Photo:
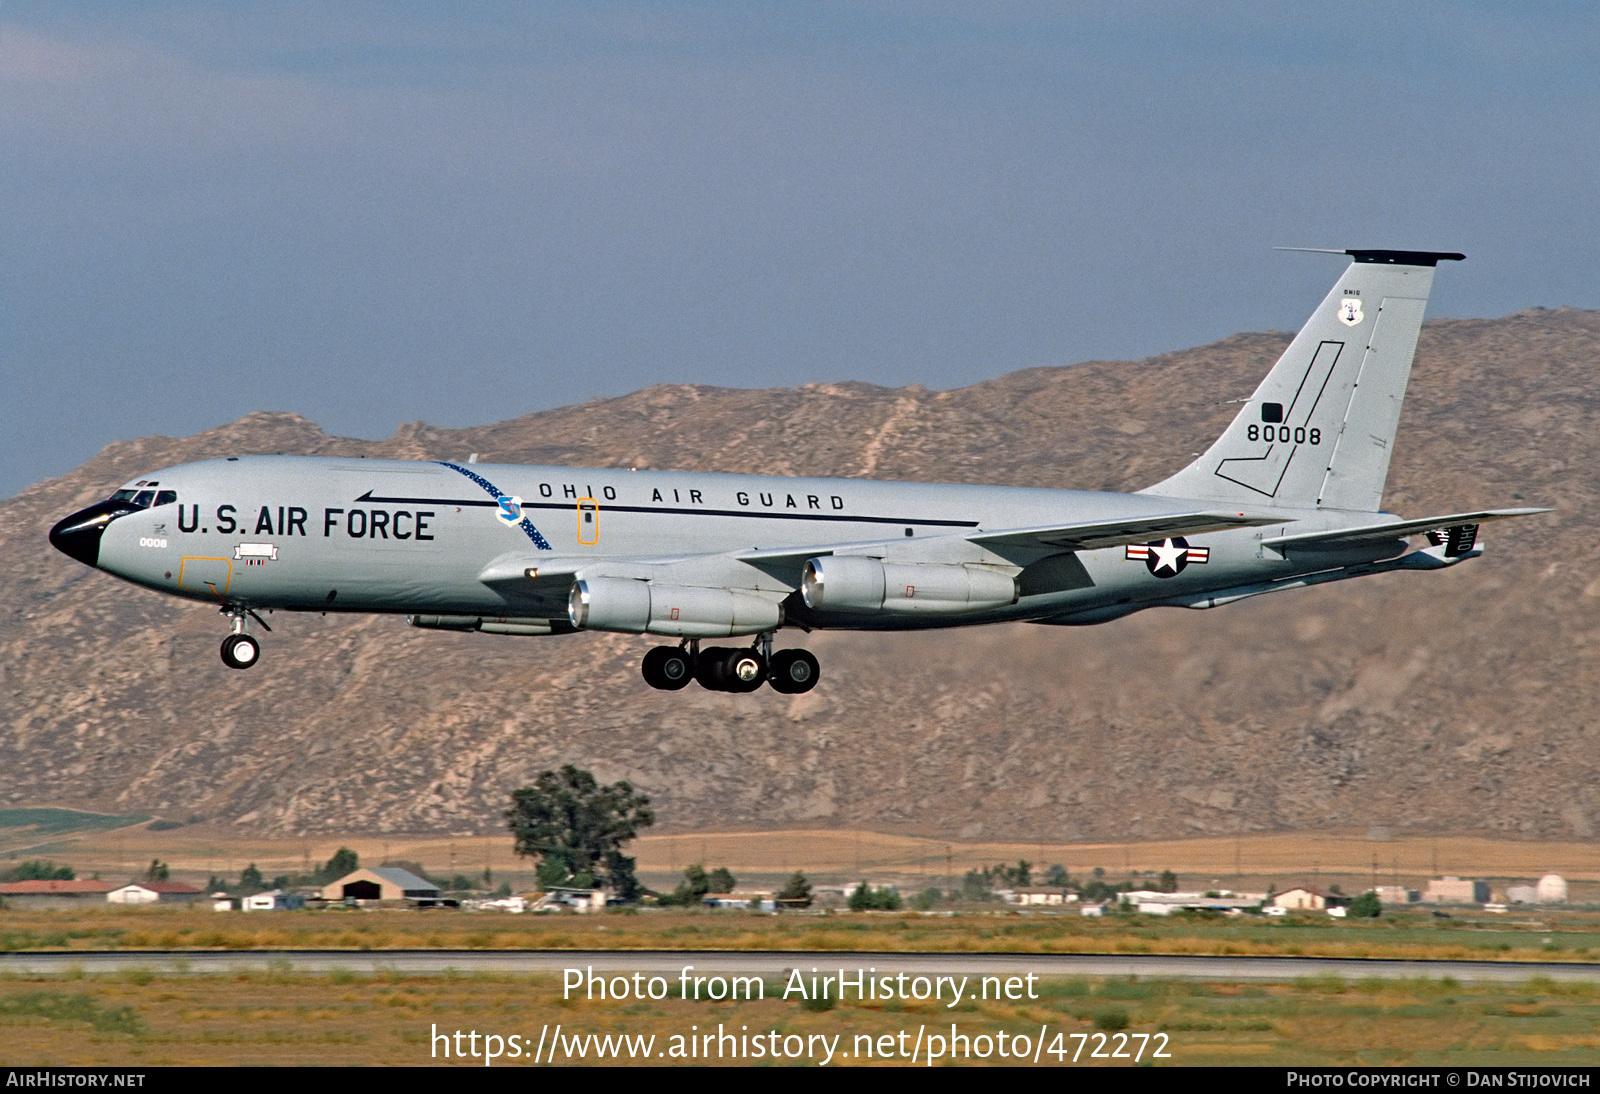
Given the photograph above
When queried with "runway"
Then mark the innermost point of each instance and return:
(778, 964)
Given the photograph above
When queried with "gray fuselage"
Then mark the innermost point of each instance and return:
(356, 535)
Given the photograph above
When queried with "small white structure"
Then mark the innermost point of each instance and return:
(1151, 902)
(757, 902)
(1455, 890)
(1047, 898)
(275, 901)
(153, 892)
(1552, 889)
(1522, 894)
(516, 905)
(133, 894)
(579, 900)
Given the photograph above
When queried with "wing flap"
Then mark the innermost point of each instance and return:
(1367, 533)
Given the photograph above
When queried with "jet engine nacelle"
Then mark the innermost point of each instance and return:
(639, 607)
(850, 583)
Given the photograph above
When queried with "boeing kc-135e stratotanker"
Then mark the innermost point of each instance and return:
(1287, 497)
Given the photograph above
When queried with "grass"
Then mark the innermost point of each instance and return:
(1565, 936)
(281, 1017)
(50, 821)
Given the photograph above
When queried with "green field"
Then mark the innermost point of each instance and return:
(157, 1014)
(1409, 934)
(285, 1017)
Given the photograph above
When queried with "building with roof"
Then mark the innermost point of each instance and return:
(389, 883)
(1455, 890)
(1396, 894)
(1303, 898)
(1042, 897)
(1156, 903)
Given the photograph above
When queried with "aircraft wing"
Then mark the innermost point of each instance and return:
(541, 583)
(1367, 533)
(1081, 536)
(1093, 535)
(531, 576)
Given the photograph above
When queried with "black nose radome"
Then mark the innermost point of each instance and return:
(79, 535)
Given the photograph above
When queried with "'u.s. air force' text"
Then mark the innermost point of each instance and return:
(290, 520)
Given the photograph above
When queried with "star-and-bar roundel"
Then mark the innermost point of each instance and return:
(1167, 557)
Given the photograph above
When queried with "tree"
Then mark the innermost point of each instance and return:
(696, 883)
(722, 880)
(577, 827)
(796, 893)
(250, 880)
(1168, 882)
(1366, 906)
(44, 870)
(867, 899)
(158, 871)
(344, 861)
(1099, 892)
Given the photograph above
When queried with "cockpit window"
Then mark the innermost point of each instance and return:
(144, 499)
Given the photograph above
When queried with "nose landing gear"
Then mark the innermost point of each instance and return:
(240, 650)
(719, 668)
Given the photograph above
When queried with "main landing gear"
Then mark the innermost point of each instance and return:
(719, 668)
(240, 650)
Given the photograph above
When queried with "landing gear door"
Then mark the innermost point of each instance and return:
(588, 522)
(206, 576)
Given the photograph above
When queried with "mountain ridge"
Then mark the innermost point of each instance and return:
(1454, 701)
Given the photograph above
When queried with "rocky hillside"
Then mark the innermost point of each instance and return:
(1460, 700)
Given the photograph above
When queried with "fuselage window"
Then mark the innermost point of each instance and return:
(166, 497)
(144, 499)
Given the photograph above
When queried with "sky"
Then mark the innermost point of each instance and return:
(370, 214)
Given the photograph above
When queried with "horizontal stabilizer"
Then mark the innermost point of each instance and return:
(1094, 535)
(1369, 533)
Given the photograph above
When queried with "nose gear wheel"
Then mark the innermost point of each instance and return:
(240, 651)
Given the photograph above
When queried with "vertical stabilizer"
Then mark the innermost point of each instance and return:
(1319, 430)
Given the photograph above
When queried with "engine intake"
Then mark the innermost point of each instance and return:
(851, 583)
(630, 606)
